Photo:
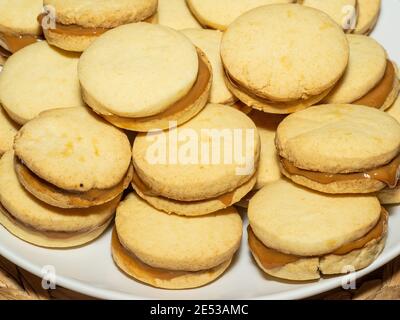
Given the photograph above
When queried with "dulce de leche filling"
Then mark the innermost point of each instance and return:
(33, 182)
(376, 98)
(16, 42)
(271, 258)
(387, 174)
(76, 30)
(226, 198)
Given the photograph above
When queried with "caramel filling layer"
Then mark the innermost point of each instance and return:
(43, 187)
(76, 30)
(198, 89)
(226, 198)
(376, 98)
(288, 106)
(387, 174)
(4, 53)
(17, 42)
(50, 233)
(271, 258)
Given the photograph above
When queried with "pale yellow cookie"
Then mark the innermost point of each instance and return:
(256, 53)
(38, 78)
(74, 24)
(73, 152)
(209, 41)
(203, 160)
(175, 14)
(179, 250)
(368, 14)
(38, 223)
(220, 14)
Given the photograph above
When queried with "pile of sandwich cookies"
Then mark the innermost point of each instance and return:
(169, 115)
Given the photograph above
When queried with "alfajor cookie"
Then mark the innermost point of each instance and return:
(209, 41)
(370, 78)
(340, 148)
(283, 58)
(18, 25)
(74, 24)
(38, 78)
(41, 224)
(205, 165)
(368, 14)
(298, 234)
(220, 14)
(8, 130)
(70, 158)
(130, 82)
(170, 251)
(343, 12)
(176, 14)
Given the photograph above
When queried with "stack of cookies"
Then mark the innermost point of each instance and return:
(133, 108)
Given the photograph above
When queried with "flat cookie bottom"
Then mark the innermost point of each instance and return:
(309, 269)
(338, 187)
(54, 196)
(68, 42)
(162, 278)
(389, 196)
(43, 240)
(163, 120)
(198, 208)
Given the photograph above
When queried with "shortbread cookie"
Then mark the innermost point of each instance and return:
(220, 14)
(71, 158)
(209, 41)
(370, 78)
(18, 25)
(340, 148)
(267, 74)
(173, 252)
(74, 24)
(313, 234)
(216, 165)
(8, 130)
(176, 14)
(38, 223)
(368, 14)
(153, 86)
(38, 78)
(343, 12)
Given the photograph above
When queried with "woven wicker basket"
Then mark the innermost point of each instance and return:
(18, 284)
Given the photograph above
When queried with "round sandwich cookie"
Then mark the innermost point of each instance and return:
(170, 251)
(18, 25)
(74, 24)
(298, 234)
(176, 15)
(215, 156)
(38, 78)
(368, 14)
(209, 41)
(340, 149)
(130, 82)
(38, 223)
(220, 14)
(70, 158)
(8, 130)
(370, 78)
(343, 12)
(266, 73)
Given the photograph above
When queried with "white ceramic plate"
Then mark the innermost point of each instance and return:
(91, 271)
